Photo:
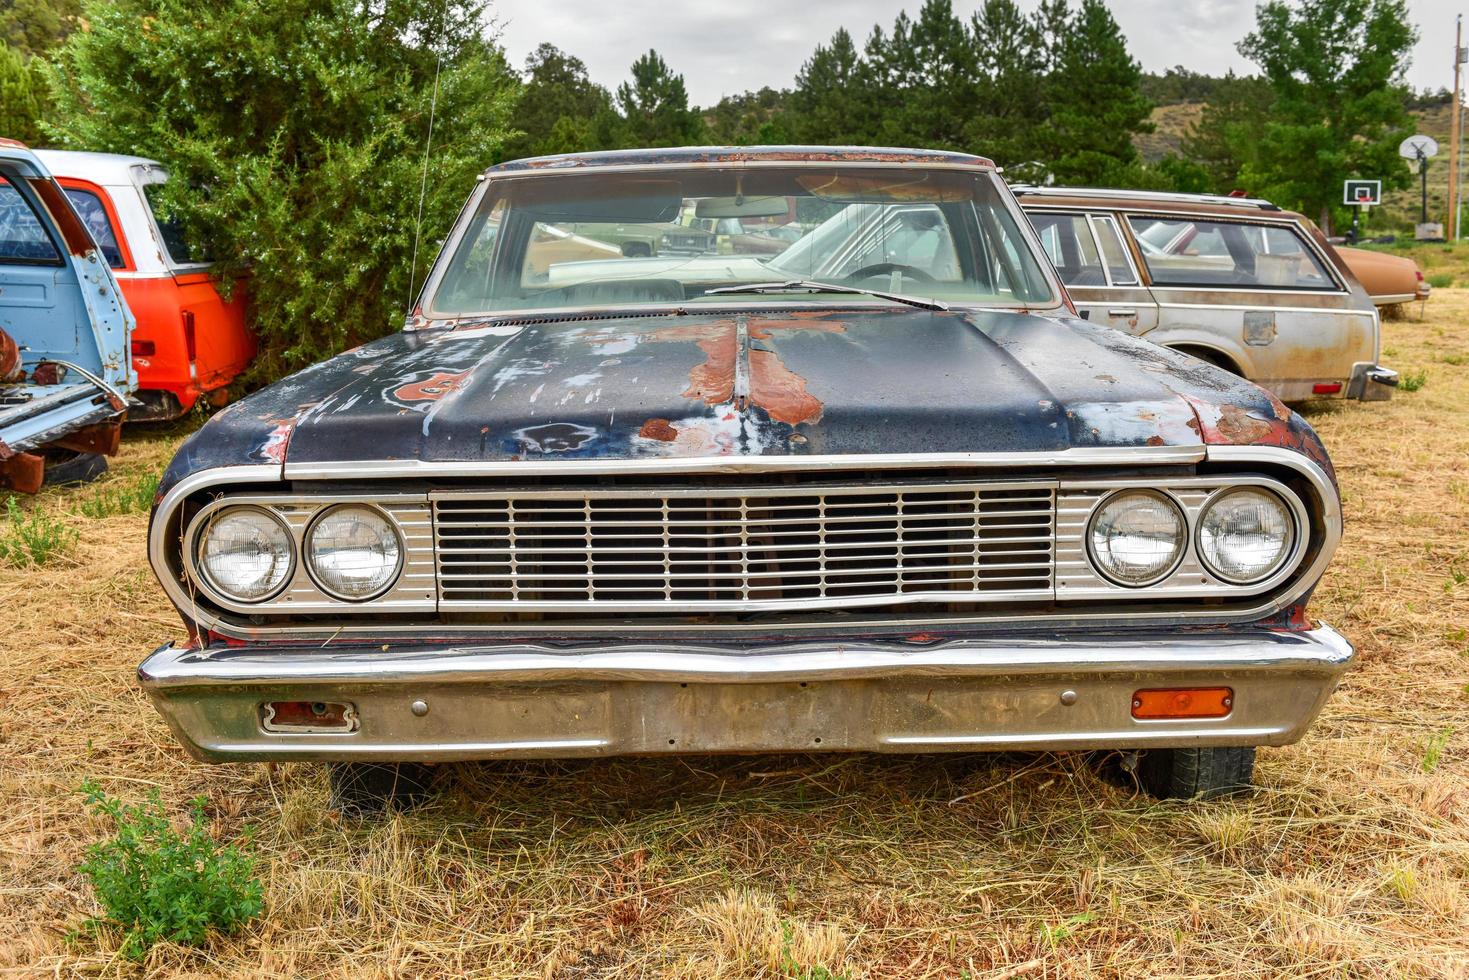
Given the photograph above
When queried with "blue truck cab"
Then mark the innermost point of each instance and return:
(65, 363)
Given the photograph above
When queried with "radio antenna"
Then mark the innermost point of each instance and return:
(423, 184)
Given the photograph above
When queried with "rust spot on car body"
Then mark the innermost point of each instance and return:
(431, 388)
(659, 429)
(773, 386)
(10, 368)
(1240, 427)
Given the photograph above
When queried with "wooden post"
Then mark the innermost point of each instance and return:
(1452, 225)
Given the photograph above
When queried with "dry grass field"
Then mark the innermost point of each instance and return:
(1351, 860)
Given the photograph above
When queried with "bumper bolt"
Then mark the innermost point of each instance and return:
(419, 708)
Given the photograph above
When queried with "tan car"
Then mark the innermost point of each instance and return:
(1235, 281)
(1389, 279)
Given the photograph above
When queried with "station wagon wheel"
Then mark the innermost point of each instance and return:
(888, 268)
(1203, 773)
(364, 789)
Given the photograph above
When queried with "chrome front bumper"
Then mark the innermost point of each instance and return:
(1051, 692)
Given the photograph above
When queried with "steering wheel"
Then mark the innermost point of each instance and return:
(885, 269)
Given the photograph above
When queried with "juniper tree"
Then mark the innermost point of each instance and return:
(295, 133)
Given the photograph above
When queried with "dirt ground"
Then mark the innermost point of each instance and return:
(1351, 860)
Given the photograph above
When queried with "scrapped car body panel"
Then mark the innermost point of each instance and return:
(1388, 279)
(68, 328)
(635, 511)
(190, 341)
(1239, 282)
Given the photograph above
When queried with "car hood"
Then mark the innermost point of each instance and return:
(729, 384)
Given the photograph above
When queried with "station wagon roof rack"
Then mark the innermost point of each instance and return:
(1162, 197)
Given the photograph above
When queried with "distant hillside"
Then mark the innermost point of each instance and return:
(1171, 124)
(1400, 208)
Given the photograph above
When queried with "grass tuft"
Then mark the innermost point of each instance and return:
(1413, 380)
(33, 539)
(157, 884)
(130, 495)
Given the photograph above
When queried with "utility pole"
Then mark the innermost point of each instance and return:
(1454, 133)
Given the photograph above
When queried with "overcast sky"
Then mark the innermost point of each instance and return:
(726, 46)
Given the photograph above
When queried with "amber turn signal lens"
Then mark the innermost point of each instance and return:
(1183, 702)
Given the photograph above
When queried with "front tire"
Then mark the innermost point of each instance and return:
(1203, 773)
(366, 789)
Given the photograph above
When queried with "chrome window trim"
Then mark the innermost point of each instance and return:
(1339, 287)
(1094, 219)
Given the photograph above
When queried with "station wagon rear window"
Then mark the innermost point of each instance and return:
(672, 235)
(23, 237)
(89, 208)
(1227, 255)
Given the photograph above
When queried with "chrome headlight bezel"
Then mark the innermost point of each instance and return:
(1181, 546)
(1287, 553)
(317, 579)
(209, 582)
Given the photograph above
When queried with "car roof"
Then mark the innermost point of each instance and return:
(1115, 198)
(101, 168)
(741, 155)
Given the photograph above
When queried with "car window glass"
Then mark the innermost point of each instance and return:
(694, 234)
(89, 208)
(23, 237)
(1069, 243)
(1114, 254)
(1229, 255)
(180, 250)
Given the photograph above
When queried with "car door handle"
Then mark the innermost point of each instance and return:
(1122, 312)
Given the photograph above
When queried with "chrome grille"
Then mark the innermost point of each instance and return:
(704, 548)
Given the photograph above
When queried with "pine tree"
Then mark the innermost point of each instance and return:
(1096, 100)
(1010, 107)
(1338, 102)
(1229, 133)
(308, 140)
(1052, 23)
(825, 106)
(560, 109)
(24, 96)
(655, 106)
(34, 27)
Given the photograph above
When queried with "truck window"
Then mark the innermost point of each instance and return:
(23, 237)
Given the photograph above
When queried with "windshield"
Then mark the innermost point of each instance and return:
(675, 236)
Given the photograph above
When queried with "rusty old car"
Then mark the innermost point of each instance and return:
(65, 377)
(1235, 281)
(881, 491)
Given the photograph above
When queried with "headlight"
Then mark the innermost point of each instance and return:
(353, 552)
(1245, 535)
(245, 554)
(1136, 537)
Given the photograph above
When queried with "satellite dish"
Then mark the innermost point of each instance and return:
(1418, 147)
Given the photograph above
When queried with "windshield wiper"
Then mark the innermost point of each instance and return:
(812, 286)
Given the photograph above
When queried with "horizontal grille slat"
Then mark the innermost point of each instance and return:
(810, 546)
